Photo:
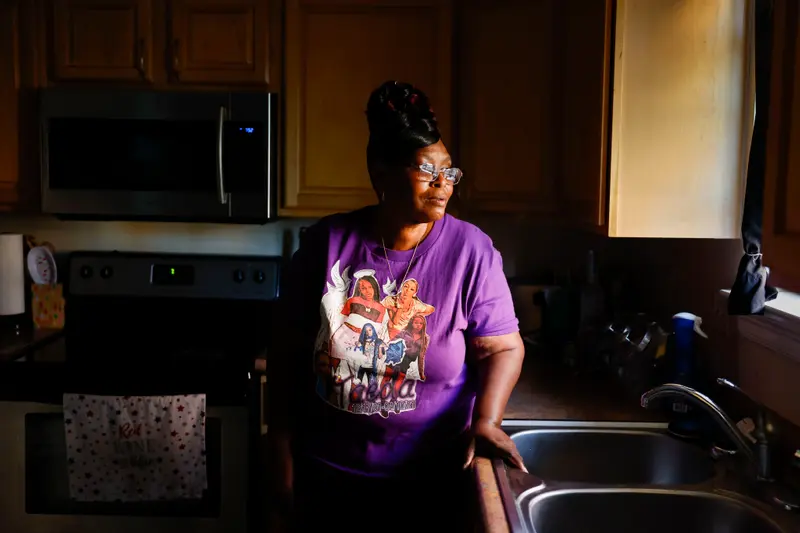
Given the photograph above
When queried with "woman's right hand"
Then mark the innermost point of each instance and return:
(281, 478)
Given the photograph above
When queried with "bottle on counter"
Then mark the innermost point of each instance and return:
(686, 327)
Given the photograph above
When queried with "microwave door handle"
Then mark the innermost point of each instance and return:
(269, 159)
(223, 197)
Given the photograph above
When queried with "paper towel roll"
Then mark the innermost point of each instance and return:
(12, 275)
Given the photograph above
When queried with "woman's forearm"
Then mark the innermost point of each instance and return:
(499, 363)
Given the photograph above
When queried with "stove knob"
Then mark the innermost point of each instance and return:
(86, 272)
(259, 276)
(238, 275)
(106, 272)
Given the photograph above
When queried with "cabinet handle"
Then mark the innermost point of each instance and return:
(141, 57)
(176, 60)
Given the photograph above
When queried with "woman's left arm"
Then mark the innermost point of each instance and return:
(495, 351)
(498, 360)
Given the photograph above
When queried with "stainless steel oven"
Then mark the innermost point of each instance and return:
(127, 154)
(145, 325)
(34, 484)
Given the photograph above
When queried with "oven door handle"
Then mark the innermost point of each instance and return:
(263, 404)
(222, 195)
(261, 373)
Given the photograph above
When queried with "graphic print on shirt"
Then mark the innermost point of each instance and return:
(370, 351)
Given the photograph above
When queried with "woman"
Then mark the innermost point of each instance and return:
(410, 443)
(370, 346)
(415, 341)
(362, 312)
(403, 306)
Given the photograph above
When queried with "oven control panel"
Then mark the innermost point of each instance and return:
(173, 275)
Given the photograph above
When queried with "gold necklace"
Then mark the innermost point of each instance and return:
(408, 268)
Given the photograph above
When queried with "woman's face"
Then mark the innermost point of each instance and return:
(366, 290)
(412, 193)
(409, 289)
(369, 331)
(417, 324)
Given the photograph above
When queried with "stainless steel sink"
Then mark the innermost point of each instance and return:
(624, 477)
(641, 511)
(612, 457)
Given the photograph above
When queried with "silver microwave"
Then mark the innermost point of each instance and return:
(146, 155)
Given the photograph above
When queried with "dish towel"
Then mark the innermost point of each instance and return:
(135, 448)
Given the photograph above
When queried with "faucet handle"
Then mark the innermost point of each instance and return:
(761, 429)
(731, 385)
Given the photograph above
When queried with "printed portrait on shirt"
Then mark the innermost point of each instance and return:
(404, 306)
(370, 352)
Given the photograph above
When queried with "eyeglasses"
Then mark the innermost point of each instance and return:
(428, 173)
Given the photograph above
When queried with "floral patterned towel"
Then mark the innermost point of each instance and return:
(135, 448)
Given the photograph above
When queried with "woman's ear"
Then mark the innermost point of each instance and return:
(377, 175)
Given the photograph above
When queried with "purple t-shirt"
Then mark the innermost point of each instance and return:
(390, 379)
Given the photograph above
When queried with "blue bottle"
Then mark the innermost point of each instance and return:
(685, 328)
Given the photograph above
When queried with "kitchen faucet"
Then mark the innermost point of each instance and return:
(759, 459)
(763, 470)
(743, 446)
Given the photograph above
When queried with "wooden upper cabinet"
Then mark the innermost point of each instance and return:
(220, 41)
(583, 72)
(337, 52)
(160, 42)
(506, 117)
(782, 189)
(102, 40)
(9, 82)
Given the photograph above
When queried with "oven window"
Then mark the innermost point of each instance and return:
(143, 155)
(47, 483)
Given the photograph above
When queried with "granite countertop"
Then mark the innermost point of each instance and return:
(548, 391)
(14, 347)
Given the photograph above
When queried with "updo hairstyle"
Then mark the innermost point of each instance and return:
(401, 121)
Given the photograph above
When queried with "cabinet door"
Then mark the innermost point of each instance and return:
(782, 190)
(102, 40)
(220, 41)
(9, 138)
(506, 117)
(337, 52)
(585, 39)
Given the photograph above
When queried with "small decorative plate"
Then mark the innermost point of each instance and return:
(42, 266)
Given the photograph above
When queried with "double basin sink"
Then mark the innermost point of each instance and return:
(622, 478)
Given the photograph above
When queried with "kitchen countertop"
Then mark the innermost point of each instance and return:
(13, 347)
(547, 390)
